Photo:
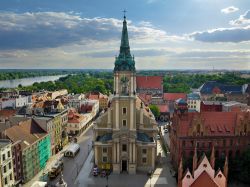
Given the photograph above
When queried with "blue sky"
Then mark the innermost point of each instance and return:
(164, 34)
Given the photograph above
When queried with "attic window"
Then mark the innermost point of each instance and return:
(219, 175)
(204, 165)
(188, 176)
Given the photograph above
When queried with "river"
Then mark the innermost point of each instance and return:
(28, 81)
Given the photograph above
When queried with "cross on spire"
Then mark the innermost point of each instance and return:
(124, 12)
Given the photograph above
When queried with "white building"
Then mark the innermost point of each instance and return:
(15, 102)
(77, 123)
(75, 101)
(6, 166)
(194, 102)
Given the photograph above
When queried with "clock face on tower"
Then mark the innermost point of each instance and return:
(124, 85)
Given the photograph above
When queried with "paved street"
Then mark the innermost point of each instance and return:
(72, 166)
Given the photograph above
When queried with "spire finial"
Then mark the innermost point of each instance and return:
(124, 14)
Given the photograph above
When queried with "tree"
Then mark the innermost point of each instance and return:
(155, 110)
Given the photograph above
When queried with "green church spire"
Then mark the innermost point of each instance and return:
(124, 62)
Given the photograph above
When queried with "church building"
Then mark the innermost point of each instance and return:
(124, 135)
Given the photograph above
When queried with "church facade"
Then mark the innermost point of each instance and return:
(124, 135)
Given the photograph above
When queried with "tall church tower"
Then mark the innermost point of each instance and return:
(125, 133)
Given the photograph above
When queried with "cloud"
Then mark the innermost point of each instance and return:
(151, 52)
(243, 19)
(54, 29)
(208, 54)
(229, 10)
(235, 35)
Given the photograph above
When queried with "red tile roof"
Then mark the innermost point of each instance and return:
(215, 123)
(174, 96)
(148, 82)
(163, 108)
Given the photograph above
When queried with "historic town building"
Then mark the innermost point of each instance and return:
(203, 173)
(227, 132)
(125, 133)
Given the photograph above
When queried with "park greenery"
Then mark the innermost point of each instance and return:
(84, 81)
(155, 110)
(19, 74)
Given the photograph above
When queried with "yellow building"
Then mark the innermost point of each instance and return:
(125, 133)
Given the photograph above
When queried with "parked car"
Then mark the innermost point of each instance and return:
(55, 170)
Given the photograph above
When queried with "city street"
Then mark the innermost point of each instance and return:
(72, 166)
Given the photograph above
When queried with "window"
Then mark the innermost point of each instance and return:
(124, 111)
(104, 150)
(124, 122)
(9, 165)
(3, 157)
(4, 169)
(5, 180)
(144, 151)
(104, 159)
(11, 176)
(8, 153)
(124, 147)
(144, 160)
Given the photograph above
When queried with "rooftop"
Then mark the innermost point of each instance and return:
(27, 131)
(174, 96)
(149, 82)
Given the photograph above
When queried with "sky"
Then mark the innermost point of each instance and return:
(163, 34)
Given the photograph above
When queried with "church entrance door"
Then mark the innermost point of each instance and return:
(124, 165)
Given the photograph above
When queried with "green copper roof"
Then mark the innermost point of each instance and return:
(124, 62)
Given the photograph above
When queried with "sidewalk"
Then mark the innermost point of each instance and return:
(83, 178)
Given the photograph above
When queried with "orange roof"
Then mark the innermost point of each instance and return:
(174, 96)
(74, 117)
(216, 123)
(148, 82)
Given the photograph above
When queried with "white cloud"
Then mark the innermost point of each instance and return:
(234, 34)
(229, 10)
(243, 19)
(54, 29)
